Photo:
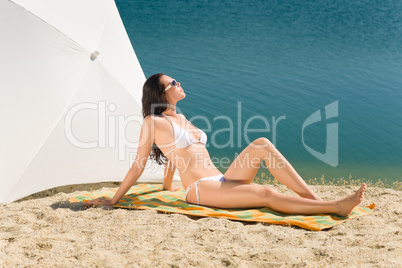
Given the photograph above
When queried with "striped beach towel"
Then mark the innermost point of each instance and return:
(151, 196)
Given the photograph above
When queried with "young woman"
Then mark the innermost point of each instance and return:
(169, 137)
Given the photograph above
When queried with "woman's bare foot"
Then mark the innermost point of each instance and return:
(346, 205)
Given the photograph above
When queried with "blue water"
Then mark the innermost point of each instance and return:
(283, 59)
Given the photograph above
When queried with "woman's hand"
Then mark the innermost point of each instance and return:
(174, 188)
(99, 201)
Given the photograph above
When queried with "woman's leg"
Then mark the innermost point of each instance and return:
(246, 164)
(240, 195)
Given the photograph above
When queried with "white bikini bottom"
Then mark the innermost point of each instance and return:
(212, 178)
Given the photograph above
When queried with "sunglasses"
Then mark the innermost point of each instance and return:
(172, 83)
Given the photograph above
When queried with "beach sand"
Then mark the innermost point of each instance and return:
(47, 231)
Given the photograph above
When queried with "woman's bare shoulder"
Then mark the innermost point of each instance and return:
(153, 117)
(182, 115)
(161, 128)
(156, 120)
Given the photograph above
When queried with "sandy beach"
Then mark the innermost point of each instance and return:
(44, 230)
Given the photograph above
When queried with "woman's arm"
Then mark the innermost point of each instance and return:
(168, 177)
(144, 148)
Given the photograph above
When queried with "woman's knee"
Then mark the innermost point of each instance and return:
(268, 193)
(262, 143)
(265, 192)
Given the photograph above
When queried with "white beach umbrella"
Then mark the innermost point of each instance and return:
(70, 103)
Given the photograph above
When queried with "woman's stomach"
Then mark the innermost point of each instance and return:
(193, 163)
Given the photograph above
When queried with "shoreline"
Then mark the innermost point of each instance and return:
(47, 231)
(396, 185)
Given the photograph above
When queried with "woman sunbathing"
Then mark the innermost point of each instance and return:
(171, 139)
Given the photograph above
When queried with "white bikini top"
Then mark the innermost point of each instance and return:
(183, 138)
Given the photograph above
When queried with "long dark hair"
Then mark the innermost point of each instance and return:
(154, 101)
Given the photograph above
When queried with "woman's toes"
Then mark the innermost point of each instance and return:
(347, 204)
